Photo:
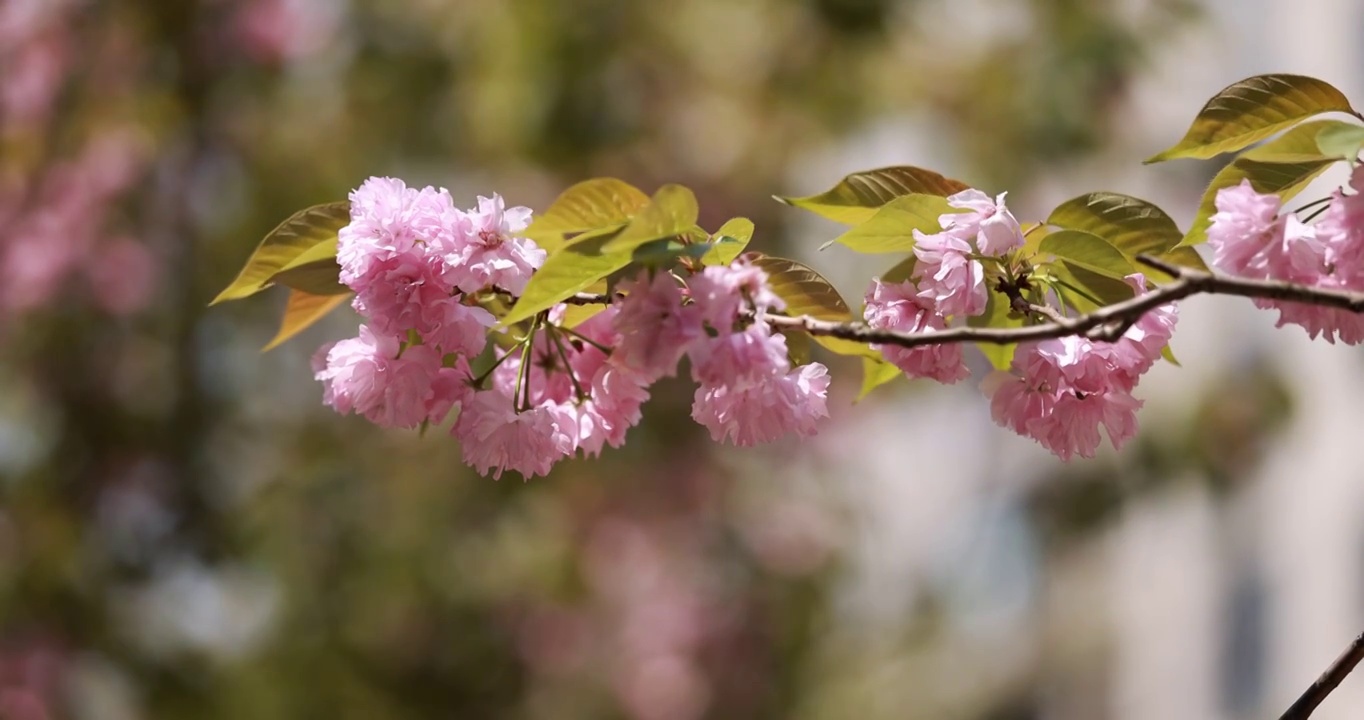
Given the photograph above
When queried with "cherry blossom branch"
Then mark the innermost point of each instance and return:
(1107, 324)
(1329, 680)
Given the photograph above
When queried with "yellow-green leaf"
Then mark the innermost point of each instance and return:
(573, 269)
(671, 212)
(729, 241)
(1341, 141)
(315, 271)
(303, 231)
(806, 292)
(1282, 166)
(302, 310)
(892, 228)
(856, 197)
(876, 373)
(1088, 251)
(1252, 110)
(588, 205)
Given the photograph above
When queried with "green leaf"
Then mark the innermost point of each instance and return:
(997, 314)
(1087, 291)
(1282, 166)
(876, 373)
(1088, 251)
(856, 197)
(806, 292)
(588, 205)
(892, 228)
(301, 232)
(729, 241)
(1169, 356)
(302, 310)
(1341, 141)
(573, 269)
(1252, 110)
(1132, 225)
(670, 213)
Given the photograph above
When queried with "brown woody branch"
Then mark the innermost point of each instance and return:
(1328, 681)
(1106, 324)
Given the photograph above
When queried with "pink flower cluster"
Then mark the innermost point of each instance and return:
(1058, 392)
(948, 282)
(1251, 237)
(419, 266)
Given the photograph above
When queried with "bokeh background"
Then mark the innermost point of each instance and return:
(185, 532)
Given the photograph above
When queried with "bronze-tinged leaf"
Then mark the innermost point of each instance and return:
(806, 292)
(1253, 109)
(302, 310)
(856, 197)
(303, 231)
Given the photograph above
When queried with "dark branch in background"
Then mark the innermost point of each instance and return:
(1328, 681)
(1107, 324)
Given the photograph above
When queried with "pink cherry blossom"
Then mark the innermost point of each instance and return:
(764, 410)
(988, 223)
(495, 438)
(655, 328)
(405, 291)
(896, 306)
(489, 254)
(723, 292)
(1250, 238)
(368, 376)
(739, 357)
(616, 397)
(947, 277)
(388, 219)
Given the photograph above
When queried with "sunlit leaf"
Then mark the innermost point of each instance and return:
(576, 267)
(892, 228)
(806, 292)
(671, 212)
(302, 310)
(1341, 141)
(876, 373)
(1282, 166)
(729, 241)
(575, 315)
(303, 231)
(588, 205)
(1088, 251)
(856, 197)
(1252, 110)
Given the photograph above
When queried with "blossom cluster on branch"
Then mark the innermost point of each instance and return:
(542, 337)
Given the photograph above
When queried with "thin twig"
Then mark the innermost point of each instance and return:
(1328, 681)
